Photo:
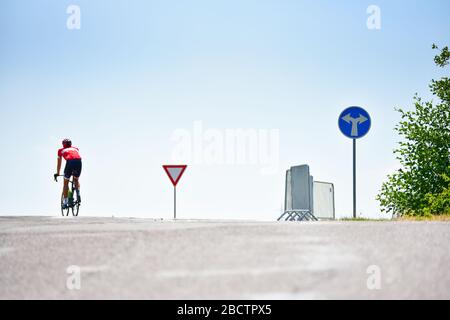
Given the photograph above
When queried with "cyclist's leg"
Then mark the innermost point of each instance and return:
(67, 174)
(76, 181)
(66, 188)
(76, 177)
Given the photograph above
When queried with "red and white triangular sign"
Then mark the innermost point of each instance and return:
(175, 172)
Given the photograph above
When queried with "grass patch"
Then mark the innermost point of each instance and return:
(441, 217)
(360, 219)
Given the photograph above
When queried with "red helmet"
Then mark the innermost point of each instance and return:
(67, 143)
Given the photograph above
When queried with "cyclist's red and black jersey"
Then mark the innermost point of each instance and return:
(72, 153)
(73, 161)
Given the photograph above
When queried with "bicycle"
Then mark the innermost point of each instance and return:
(73, 204)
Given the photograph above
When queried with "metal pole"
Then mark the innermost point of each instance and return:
(354, 178)
(174, 202)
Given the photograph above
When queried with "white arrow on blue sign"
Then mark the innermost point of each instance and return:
(354, 122)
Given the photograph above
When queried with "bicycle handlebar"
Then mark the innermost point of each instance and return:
(55, 176)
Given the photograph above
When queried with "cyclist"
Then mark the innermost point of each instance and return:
(73, 168)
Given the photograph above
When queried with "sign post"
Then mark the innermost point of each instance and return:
(354, 178)
(174, 172)
(354, 123)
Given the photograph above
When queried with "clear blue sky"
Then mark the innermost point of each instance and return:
(138, 70)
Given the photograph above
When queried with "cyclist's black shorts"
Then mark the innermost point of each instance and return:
(73, 168)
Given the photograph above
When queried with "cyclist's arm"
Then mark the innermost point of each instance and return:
(58, 166)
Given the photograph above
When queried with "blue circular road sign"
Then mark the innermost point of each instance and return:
(354, 122)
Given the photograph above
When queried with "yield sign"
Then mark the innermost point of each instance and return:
(175, 172)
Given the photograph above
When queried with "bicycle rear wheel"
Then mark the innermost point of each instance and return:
(76, 201)
(64, 212)
(75, 208)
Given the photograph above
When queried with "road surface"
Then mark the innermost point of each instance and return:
(120, 258)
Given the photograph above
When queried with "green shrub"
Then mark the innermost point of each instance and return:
(421, 186)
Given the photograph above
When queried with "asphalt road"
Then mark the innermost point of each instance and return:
(152, 259)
